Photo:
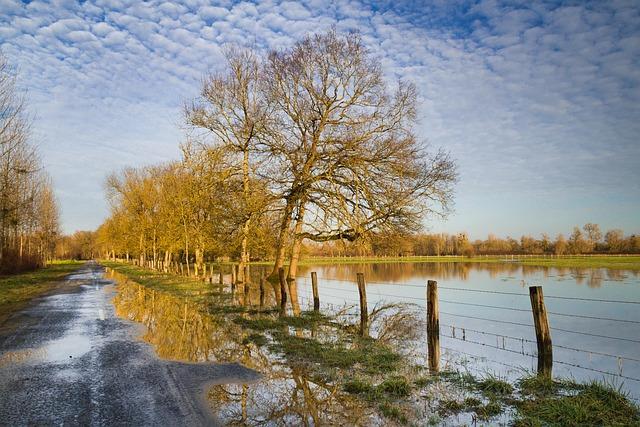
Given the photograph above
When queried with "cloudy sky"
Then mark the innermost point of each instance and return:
(538, 102)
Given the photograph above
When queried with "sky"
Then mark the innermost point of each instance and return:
(538, 102)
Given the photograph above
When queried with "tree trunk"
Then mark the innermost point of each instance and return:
(155, 251)
(282, 239)
(244, 253)
(297, 243)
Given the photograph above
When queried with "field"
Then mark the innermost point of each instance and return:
(620, 262)
(15, 290)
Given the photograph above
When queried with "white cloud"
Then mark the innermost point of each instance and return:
(525, 97)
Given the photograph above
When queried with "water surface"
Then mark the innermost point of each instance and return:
(594, 314)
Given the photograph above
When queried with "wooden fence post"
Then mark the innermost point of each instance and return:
(364, 312)
(433, 326)
(262, 290)
(246, 290)
(283, 291)
(221, 278)
(316, 296)
(543, 333)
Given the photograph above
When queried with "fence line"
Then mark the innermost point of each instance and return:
(582, 316)
(484, 291)
(488, 333)
(488, 320)
(595, 335)
(539, 313)
(522, 353)
(520, 368)
(597, 370)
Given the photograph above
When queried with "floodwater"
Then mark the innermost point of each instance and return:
(182, 329)
(486, 327)
(486, 324)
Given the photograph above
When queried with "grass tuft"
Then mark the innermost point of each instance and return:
(395, 386)
(494, 385)
(595, 403)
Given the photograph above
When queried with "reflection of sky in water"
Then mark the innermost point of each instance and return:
(75, 342)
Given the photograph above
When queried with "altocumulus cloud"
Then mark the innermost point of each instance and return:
(539, 102)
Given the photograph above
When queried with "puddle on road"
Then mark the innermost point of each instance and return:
(73, 345)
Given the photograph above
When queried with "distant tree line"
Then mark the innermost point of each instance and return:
(305, 144)
(28, 208)
(586, 240)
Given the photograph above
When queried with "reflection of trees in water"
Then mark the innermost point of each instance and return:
(617, 275)
(287, 394)
(595, 278)
(399, 272)
(404, 272)
(592, 277)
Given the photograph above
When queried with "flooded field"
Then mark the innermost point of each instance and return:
(316, 371)
(485, 313)
(287, 393)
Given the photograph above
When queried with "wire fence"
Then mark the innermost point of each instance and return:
(504, 342)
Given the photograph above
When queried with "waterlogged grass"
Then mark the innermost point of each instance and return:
(593, 404)
(540, 401)
(15, 290)
(494, 386)
(330, 351)
(631, 262)
(383, 379)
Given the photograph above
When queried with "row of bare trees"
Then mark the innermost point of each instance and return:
(28, 208)
(586, 240)
(304, 143)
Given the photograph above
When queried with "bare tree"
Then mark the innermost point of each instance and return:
(28, 210)
(344, 158)
(232, 107)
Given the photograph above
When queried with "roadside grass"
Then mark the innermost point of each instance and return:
(170, 283)
(384, 379)
(20, 288)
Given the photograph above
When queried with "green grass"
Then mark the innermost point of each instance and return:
(540, 401)
(171, 283)
(16, 290)
(595, 404)
(357, 355)
(631, 262)
(494, 386)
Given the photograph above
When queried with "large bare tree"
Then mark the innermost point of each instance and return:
(343, 155)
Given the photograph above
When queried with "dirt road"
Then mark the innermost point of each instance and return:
(67, 359)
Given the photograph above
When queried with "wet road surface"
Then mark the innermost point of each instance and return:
(67, 359)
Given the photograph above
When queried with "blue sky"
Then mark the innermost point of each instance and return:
(539, 102)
